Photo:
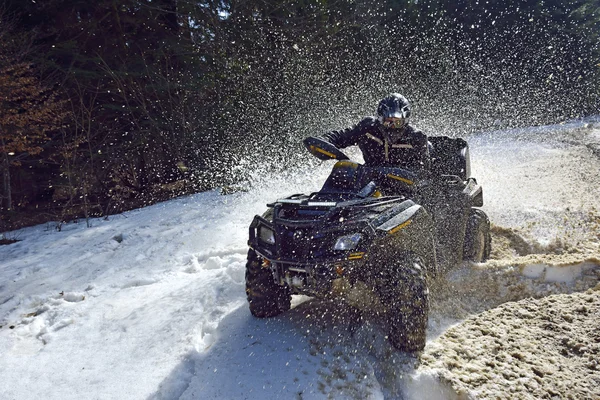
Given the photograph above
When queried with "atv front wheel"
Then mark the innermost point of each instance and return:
(404, 294)
(477, 237)
(265, 297)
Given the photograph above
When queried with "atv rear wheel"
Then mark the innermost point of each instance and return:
(478, 241)
(265, 297)
(404, 294)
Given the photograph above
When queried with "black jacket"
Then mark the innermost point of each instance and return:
(409, 151)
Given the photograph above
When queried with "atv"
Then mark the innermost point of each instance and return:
(372, 236)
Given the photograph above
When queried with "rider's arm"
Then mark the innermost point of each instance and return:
(350, 136)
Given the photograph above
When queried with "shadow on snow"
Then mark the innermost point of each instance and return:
(318, 349)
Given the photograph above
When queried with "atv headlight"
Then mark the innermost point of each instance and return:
(347, 242)
(266, 235)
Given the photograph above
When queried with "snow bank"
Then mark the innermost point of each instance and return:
(546, 348)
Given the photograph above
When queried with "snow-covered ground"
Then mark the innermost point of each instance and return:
(151, 303)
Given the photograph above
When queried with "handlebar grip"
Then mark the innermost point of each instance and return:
(323, 150)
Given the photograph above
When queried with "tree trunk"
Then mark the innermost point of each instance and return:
(6, 189)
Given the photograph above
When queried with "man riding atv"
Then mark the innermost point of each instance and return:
(377, 233)
(386, 141)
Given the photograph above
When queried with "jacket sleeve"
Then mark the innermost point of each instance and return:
(350, 136)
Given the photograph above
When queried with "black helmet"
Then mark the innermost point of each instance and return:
(394, 106)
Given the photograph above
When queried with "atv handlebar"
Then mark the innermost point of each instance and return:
(323, 150)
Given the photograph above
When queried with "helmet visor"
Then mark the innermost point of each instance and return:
(394, 123)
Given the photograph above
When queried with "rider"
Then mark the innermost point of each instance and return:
(387, 140)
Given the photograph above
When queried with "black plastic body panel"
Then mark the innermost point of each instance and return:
(450, 156)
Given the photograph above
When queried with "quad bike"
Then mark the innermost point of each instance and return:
(373, 236)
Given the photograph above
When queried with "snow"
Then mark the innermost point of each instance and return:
(151, 303)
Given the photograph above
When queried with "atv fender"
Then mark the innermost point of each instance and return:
(411, 230)
(474, 193)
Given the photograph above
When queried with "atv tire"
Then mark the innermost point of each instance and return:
(478, 241)
(265, 297)
(404, 294)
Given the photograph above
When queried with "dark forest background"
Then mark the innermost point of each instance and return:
(108, 105)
